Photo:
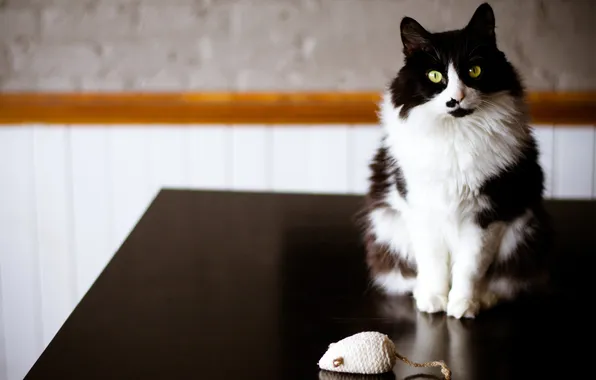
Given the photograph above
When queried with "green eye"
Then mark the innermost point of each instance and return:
(434, 76)
(475, 71)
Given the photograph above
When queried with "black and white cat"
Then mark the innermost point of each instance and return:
(454, 212)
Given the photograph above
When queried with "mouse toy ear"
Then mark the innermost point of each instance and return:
(338, 362)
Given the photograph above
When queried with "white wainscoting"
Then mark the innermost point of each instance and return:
(70, 195)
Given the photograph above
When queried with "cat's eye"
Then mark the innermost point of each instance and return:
(434, 76)
(475, 71)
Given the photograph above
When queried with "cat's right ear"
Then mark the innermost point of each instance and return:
(483, 22)
(413, 36)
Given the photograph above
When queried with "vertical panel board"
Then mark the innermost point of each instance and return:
(129, 171)
(168, 167)
(18, 251)
(3, 362)
(91, 203)
(208, 150)
(364, 140)
(545, 137)
(54, 227)
(290, 146)
(251, 148)
(573, 162)
(328, 159)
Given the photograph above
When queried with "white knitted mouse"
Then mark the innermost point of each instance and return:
(368, 353)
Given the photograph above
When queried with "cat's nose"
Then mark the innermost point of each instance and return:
(459, 96)
(452, 103)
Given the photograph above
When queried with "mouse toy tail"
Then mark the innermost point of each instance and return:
(437, 363)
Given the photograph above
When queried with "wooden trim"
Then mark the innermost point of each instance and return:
(245, 108)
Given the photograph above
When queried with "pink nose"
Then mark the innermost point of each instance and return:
(459, 95)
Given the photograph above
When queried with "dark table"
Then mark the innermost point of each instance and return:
(215, 285)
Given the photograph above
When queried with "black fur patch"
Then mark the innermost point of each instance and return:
(385, 173)
(515, 189)
(461, 112)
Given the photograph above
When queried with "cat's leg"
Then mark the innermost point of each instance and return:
(473, 251)
(432, 261)
(522, 262)
(387, 245)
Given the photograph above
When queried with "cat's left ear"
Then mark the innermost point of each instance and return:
(413, 36)
(483, 22)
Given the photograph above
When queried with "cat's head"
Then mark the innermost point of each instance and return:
(454, 73)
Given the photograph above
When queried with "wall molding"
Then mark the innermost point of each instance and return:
(562, 108)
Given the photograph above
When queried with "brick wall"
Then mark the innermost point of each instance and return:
(269, 44)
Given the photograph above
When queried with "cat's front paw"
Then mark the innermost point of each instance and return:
(461, 307)
(428, 302)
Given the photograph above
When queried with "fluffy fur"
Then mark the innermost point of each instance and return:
(454, 213)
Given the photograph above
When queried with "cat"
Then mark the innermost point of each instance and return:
(454, 213)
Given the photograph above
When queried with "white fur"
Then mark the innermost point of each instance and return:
(394, 283)
(515, 232)
(444, 161)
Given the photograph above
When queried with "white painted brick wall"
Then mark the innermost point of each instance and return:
(269, 44)
(18, 23)
(56, 61)
(104, 21)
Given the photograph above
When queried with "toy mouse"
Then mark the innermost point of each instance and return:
(369, 353)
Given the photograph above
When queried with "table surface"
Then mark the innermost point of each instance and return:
(216, 285)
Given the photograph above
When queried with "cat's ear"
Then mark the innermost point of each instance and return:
(483, 22)
(413, 35)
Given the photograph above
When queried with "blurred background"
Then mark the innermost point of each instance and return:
(71, 193)
(240, 45)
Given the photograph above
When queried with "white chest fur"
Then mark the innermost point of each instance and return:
(446, 160)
